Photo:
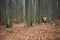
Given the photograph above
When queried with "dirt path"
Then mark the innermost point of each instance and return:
(38, 32)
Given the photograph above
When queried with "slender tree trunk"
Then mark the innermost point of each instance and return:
(38, 12)
(25, 9)
(8, 20)
(30, 12)
(35, 11)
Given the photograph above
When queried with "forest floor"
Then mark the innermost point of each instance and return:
(37, 32)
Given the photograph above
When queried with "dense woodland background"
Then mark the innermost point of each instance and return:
(29, 11)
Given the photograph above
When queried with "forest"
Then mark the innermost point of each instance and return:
(29, 11)
(30, 19)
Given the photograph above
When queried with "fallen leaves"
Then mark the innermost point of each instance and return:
(19, 32)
